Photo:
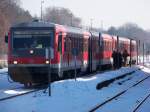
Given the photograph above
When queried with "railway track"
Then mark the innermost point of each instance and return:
(139, 105)
(28, 91)
(98, 106)
(20, 91)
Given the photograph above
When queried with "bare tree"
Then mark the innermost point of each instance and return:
(61, 16)
(11, 13)
(132, 31)
(129, 30)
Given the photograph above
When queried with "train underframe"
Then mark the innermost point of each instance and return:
(39, 74)
(31, 75)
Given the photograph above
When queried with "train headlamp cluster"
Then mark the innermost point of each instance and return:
(15, 62)
(47, 62)
(31, 51)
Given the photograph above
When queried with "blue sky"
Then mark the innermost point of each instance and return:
(108, 12)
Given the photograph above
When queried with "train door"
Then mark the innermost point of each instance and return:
(67, 50)
(60, 49)
(94, 51)
(100, 51)
(90, 54)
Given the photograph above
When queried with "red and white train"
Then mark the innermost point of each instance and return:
(36, 47)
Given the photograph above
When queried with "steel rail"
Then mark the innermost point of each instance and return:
(38, 88)
(117, 95)
(138, 106)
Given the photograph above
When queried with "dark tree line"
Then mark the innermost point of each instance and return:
(61, 16)
(11, 13)
(130, 30)
(133, 31)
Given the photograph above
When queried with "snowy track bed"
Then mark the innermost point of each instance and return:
(103, 107)
(3, 72)
(79, 96)
(141, 102)
(144, 107)
(12, 93)
(4, 83)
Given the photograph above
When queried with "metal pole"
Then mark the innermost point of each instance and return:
(42, 10)
(143, 53)
(101, 25)
(91, 23)
(99, 50)
(49, 77)
(48, 58)
(71, 19)
(117, 52)
(75, 68)
(130, 52)
(137, 52)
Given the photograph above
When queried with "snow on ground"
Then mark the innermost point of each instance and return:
(75, 96)
(4, 84)
(3, 70)
(129, 100)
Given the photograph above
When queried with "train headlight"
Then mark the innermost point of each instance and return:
(15, 62)
(47, 62)
(31, 51)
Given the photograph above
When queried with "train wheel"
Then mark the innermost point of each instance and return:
(27, 85)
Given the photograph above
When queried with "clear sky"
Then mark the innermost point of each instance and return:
(104, 13)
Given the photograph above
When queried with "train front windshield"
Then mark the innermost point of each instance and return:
(34, 39)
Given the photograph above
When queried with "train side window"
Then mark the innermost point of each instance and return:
(73, 39)
(72, 42)
(110, 47)
(76, 42)
(102, 45)
(105, 46)
(60, 43)
(6, 38)
(81, 44)
(65, 45)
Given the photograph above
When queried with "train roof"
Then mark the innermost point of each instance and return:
(43, 24)
(70, 29)
(106, 36)
(33, 24)
(74, 29)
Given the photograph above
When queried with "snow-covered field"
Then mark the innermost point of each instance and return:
(82, 95)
